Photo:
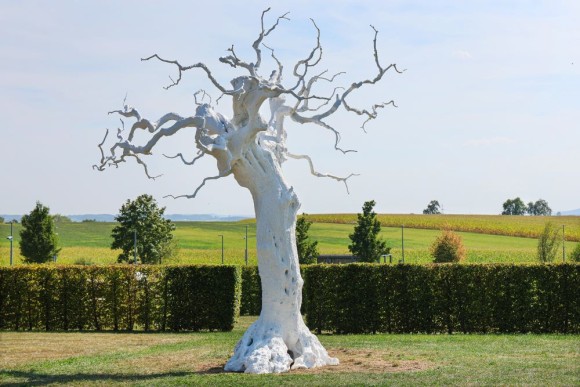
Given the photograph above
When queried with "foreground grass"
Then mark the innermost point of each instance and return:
(33, 358)
(200, 243)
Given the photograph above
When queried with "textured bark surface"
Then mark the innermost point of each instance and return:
(279, 340)
(253, 151)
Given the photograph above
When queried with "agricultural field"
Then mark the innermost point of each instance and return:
(162, 359)
(200, 242)
(520, 226)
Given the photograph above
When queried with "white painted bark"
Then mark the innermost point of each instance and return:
(279, 340)
(253, 150)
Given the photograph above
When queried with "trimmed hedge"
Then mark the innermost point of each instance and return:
(119, 297)
(443, 298)
(251, 291)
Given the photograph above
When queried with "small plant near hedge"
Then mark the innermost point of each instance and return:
(575, 254)
(365, 242)
(448, 247)
(307, 249)
(548, 243)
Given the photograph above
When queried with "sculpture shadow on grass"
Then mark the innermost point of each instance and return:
(31, 378)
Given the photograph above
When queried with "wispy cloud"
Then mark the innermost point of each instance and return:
(462, 54)
(489, 142)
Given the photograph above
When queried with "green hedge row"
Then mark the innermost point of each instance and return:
(443, 298)
(251, 291)
(119, 297)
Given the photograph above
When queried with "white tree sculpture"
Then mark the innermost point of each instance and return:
(253, 149)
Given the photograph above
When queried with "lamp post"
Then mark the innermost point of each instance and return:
(135, 245)
(10, 238)
(403, 241)
(246, 255)
(563, 243)
(221, 235)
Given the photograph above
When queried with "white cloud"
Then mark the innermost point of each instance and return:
(462, 54)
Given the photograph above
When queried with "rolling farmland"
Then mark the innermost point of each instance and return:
(519, 226)
(199, 242)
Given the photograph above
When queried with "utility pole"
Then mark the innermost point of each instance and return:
(563, 243)
(135, 245)
(246, 255)
(222, 248)
(403, 241)
(10, 238)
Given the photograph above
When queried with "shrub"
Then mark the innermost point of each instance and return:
(548, 243)
(38, 240)
(575, 254)
(307, 249)
(448, 247)
(366, 244)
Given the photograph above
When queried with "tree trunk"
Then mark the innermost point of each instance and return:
(279, 340)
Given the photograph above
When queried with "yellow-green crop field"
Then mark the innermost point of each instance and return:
(200, 242)
(519, 226)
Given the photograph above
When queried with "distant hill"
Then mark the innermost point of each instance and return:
(173, 217)
(571, 212)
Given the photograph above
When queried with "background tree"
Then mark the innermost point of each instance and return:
(448, 247)
(252, 149)
(307, 249)
(1, 220)
(38, 239)
(548, 243)
(539, 208)
(432, 208)
(366, 245)
(514, 207)
(58, 218)
(154, 233)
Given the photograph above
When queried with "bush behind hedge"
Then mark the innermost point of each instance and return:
(119, 297)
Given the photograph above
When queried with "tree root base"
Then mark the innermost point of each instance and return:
(267, 348)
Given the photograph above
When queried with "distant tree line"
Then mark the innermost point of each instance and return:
(517, 207)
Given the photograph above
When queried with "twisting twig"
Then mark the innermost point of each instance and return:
(194, 194)
(378, 77)
(263, 34)
(203, 95)
(318, 174)
(185, 68)
(185, 161)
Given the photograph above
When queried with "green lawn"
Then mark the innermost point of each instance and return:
(199, 242)
(33, 358)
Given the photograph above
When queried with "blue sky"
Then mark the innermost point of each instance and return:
(489, 107)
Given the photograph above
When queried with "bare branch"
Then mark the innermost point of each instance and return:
(103, 160)
(263, 34)
(185, 68)
(180, 155)
(127, 112)
(194, 194)
(144, 166)
(234, 61)
(306, 62)
(378, 77)
(203, 95)
(306, 90)
(276, 76)
(318, 121)
(318, 174)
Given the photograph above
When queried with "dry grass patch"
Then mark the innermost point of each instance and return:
(369, 361)
(20, 348)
